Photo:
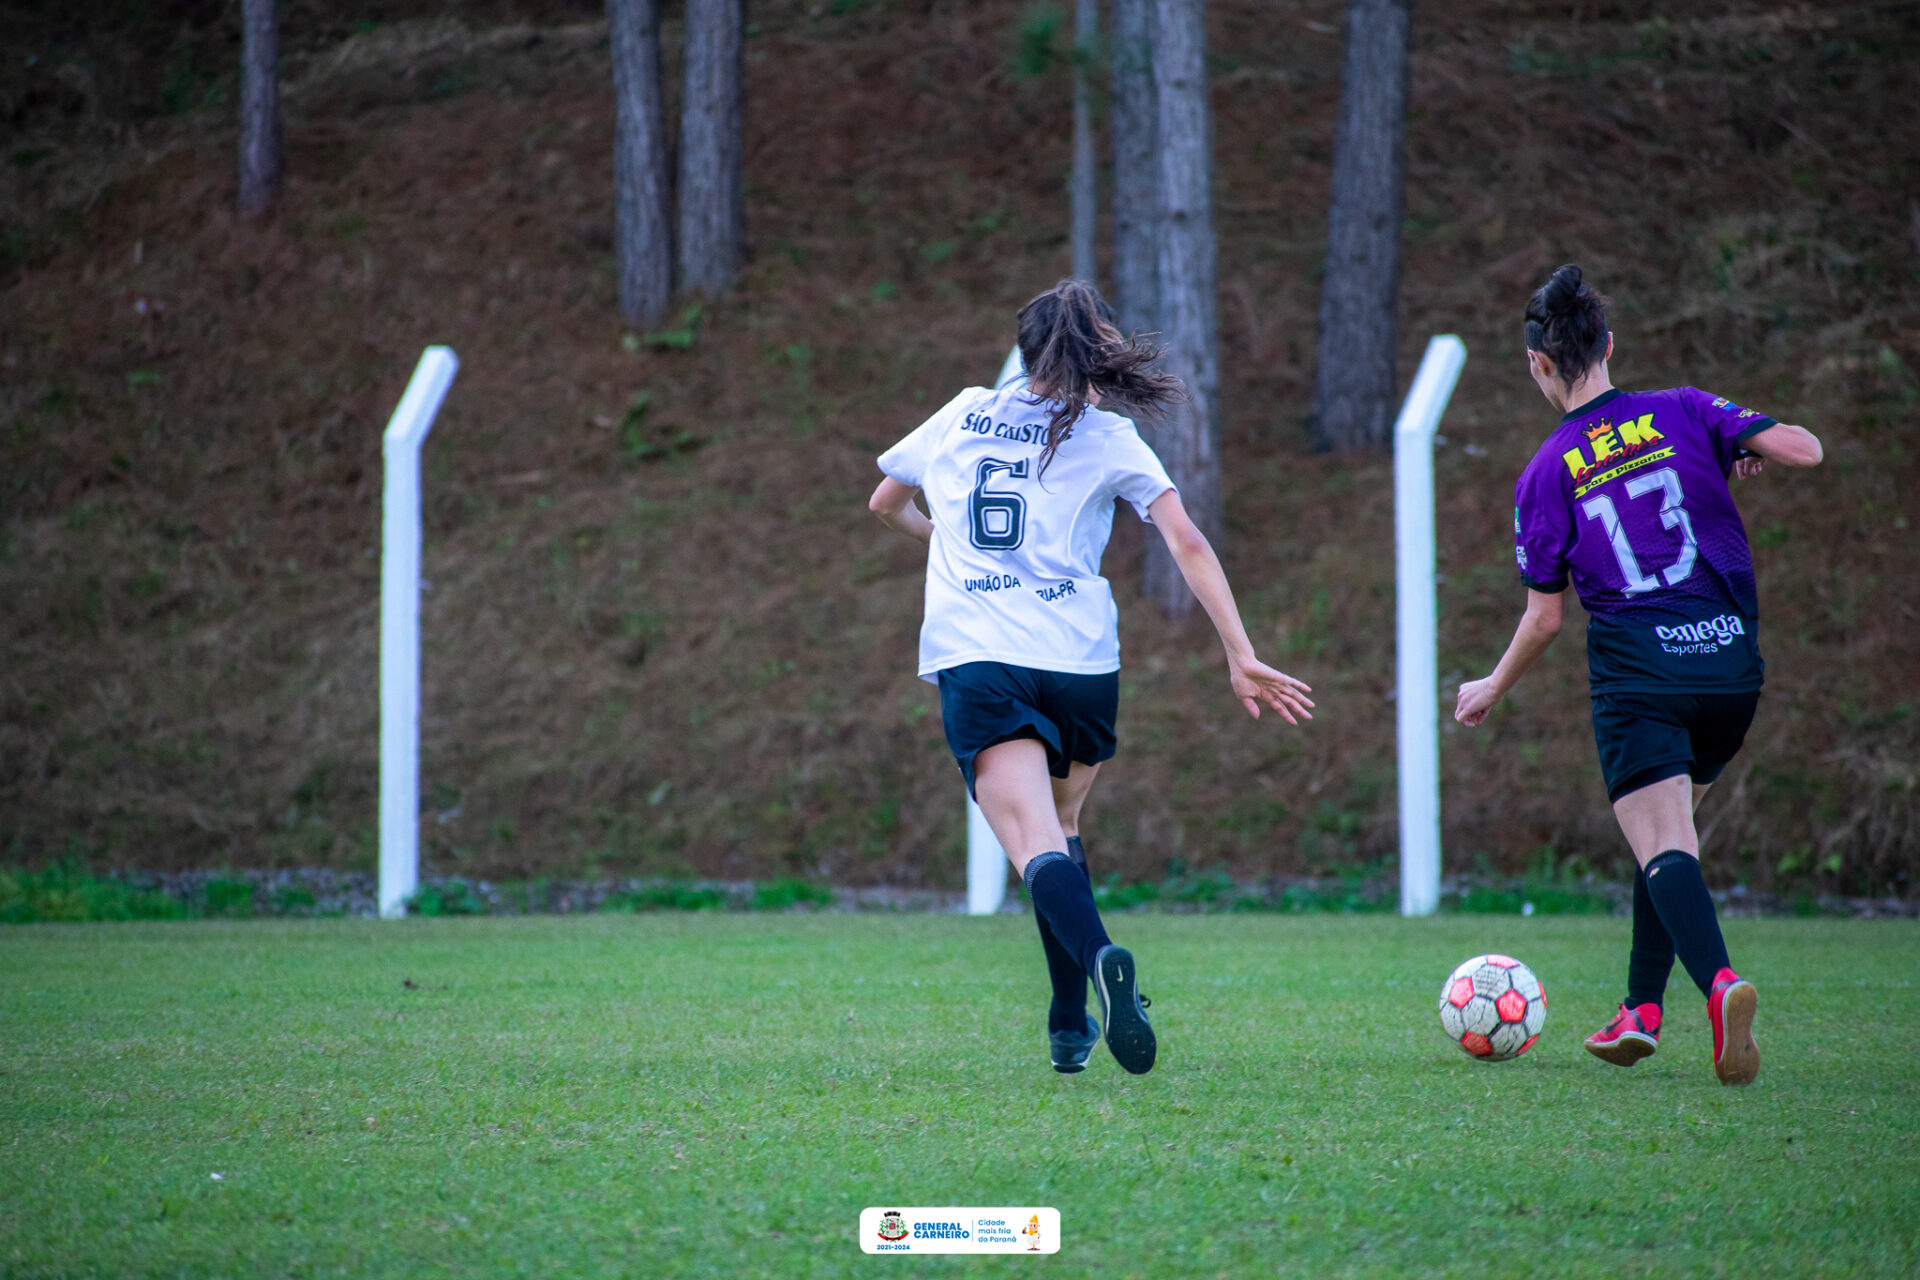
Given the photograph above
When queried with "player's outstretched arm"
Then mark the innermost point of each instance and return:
(1538, 626)
(1787, 445)
(893, 503)
(1253, 681)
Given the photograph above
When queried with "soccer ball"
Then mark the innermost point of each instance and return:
(1493, 1007)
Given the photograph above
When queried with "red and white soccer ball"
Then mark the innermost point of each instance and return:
(1493, 1007)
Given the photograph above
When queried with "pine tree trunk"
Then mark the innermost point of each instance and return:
(642, 234)
(1189, 440)
(1085, 196)
(261, 165)
(1136, 169)
(712, 210)
(1360, 293)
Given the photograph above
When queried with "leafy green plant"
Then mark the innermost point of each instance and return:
(782, 895)
(680, 336)
(68, 891)
(671, 896)
(453, 898)
(229, 898)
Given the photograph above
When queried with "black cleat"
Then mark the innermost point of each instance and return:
(1071, 1049)
(1129, 1034)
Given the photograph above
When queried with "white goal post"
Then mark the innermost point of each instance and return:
(986, 860)
(400, 629)
(1418, 696)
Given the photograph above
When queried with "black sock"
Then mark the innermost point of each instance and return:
(1069, 1009)
(1063, 895)
(1679, 894)
(1650, 962)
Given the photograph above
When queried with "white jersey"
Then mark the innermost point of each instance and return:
(1014, 571)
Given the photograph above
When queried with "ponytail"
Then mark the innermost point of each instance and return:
(1567, 323)
(1071, 346)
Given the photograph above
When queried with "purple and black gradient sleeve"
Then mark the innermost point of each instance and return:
(1726, 423)
(1543, 530)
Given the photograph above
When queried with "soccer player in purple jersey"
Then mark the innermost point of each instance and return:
(1628, 500)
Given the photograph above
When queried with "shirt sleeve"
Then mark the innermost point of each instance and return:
(1134, 471)
(1726, 423)
(907, 461)
(1543, 531)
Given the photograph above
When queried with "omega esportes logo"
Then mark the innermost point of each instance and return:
(1707, 636)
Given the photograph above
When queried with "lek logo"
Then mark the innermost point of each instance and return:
(1610, 443)
(892, 1225)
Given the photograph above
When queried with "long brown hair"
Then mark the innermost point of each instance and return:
(1071, 347)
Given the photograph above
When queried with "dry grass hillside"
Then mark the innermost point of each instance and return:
(664, 635)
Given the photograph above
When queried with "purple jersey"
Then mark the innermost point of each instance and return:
(1628, 499)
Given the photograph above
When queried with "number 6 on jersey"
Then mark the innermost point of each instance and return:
(996, 521)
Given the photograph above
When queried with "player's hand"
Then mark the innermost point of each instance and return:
(1477, 697)
(1255, 682)
(1748, 467)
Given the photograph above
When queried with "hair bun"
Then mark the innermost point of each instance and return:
(1562, 290)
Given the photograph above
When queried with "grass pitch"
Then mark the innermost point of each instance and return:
(720, 1096)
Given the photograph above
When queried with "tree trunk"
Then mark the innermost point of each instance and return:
(261, 165)
(1136, 169)
(712, 210)
(1085, 194)
(1189, 440)
(1359, 295)
(642, 235)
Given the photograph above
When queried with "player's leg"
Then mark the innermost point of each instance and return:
(1071, 1034)
(1011, 784)
(1640, 742)
(1084, 708)
(1010, 780)
(1650, 963)
(1717, 727)
(1069, 794)
(1634, 1032)
(1658, 821)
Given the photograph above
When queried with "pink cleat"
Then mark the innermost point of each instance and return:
(1736, 1058)
(1631, 1036)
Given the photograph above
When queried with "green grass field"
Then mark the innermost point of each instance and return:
(721, 1095)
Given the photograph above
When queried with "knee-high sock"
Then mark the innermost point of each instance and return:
(1069, 1009)
(1650, 963)
(1679, 894)
(1063, 895)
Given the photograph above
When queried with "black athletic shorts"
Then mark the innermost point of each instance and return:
(1647, 737)
(985, 703)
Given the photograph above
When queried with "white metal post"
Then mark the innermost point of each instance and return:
(986, 865)
(400, 629)
(986, 860)
(1418, 622)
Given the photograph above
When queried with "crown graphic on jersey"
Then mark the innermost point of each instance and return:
(1604, 428)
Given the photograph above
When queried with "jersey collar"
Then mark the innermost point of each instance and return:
(1605, 397)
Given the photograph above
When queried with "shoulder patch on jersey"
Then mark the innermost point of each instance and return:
(1721, 402)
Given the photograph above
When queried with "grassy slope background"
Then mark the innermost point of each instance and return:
(672, 640)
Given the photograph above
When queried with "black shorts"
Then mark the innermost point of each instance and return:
(1647, 737)
(986, 703)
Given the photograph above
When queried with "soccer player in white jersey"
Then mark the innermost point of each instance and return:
(1020, 628)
